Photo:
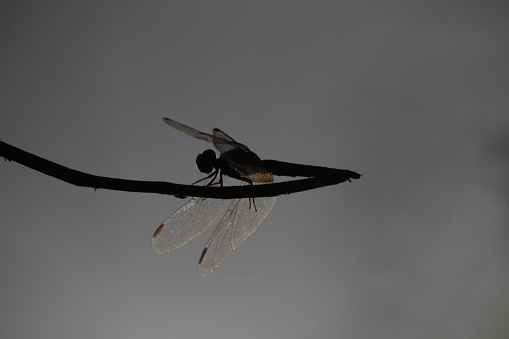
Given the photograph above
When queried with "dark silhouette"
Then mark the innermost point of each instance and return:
(318, 177)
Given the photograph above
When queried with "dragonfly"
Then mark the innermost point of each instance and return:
(236, 165)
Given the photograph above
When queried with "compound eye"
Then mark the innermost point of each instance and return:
(205, 161)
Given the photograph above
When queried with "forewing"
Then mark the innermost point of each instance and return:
(224, 143)
(189, 130)
(188, 222)
(240, 221)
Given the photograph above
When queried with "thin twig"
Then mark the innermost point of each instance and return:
(325, 177)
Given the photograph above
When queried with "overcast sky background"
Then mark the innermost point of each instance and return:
(413, 94)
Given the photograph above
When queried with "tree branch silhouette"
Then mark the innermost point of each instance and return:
(319, 177)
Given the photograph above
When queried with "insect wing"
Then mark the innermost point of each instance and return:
(221, 140)
(224, 143)
(189, 130)
(187, 223)
(240, 221)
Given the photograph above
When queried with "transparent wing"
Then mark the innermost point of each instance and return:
(221, 140)
(224, 143)
(240, 221)
(189, 131)
(188, 222)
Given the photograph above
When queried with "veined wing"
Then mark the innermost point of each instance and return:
(221, 140)
(224, 143)
(240, 221)
(187, 223)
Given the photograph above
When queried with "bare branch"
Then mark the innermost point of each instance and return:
(324, 177)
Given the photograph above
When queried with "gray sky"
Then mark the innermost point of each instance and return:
(413, 94)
